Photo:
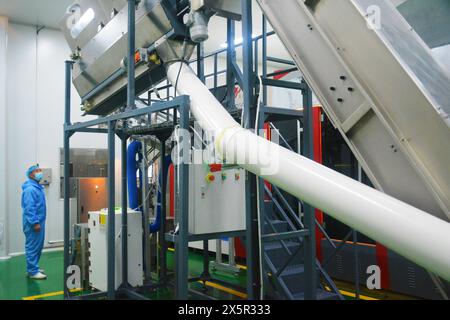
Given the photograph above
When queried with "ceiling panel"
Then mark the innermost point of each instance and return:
(46, 13)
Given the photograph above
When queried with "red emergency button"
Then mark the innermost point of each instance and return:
(210, 178)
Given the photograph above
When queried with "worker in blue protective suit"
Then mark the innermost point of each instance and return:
(34, 215)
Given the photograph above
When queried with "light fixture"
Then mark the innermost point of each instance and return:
(81, 24)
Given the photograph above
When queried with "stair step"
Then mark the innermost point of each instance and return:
(280, 226)
(278, 255)
(293, 270)
(294, 278)
(269, 208)
(276, 245)
(321, 295)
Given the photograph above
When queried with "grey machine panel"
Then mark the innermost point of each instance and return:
(102, 46)
(404, 276)
(381, 88)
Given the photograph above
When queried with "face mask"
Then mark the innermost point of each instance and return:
(38, 176)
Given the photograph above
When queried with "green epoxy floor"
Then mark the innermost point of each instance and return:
(15, 285)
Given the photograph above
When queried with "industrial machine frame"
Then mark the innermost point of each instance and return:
(246, 79)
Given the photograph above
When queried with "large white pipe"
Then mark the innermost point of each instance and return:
(412, 233)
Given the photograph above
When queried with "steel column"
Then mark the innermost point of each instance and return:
(200, 62)
(264, 57)
(309, 211)
(67, 134)
(162, 240)
(124, 139)
(201, 76)
(182, 243)
(111, 234)
(146, 212)
(231, 56)
(131, 89)
(252, 237)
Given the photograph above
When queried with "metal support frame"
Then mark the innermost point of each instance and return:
(246, 79)
(308, 211)
(249, 117)
(182, 103)
(111, 233)
(307, 228)
(161, 238)
(67, 135)
(201, 76)
(146, 213)
(182, 242)
(123, 154)
(219, 265)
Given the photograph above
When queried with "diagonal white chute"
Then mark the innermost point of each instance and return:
(411, 232)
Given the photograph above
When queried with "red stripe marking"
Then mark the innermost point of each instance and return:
(383, 263)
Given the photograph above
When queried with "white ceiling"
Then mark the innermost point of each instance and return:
(48, 13)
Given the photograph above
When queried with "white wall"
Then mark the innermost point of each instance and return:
(3, 198)
(32, 115)
(34, 124)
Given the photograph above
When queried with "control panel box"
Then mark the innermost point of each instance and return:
(46, 177)
(216, 199)
(98, 249)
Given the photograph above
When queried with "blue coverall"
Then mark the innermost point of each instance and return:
(34, 212)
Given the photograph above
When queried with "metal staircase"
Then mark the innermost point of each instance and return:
(282, 245)
(283, 253)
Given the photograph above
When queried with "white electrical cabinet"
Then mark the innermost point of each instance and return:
(98, 249)
(216, 200)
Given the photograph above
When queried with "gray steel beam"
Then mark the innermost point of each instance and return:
(124, 139)
(201, 237)
(283, 84)
(182, 250)
(309, 212)
(146, 213)
(264, 57)
(93, 130)
(252, 240)
(156, 107)
(281, 61)
(282, 112)
(285, 235)
(131, 88)
(111, 272)
(231, 56)
(162, 241)
(201, 76)
(68, 83)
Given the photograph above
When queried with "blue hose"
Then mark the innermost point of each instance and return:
(134, 149)
(154, 227)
